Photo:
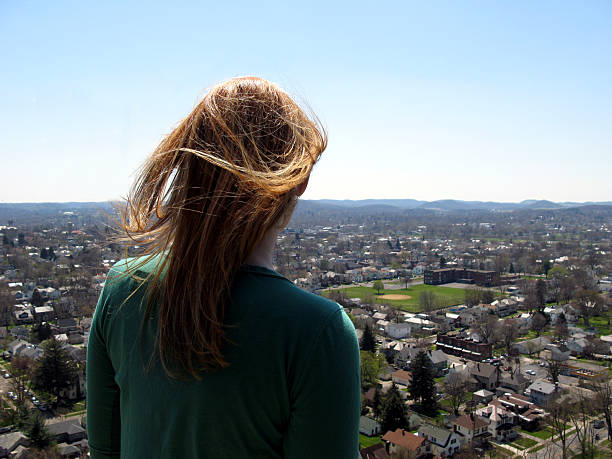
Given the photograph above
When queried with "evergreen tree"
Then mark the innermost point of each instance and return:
(368, 341)
(37, 299)
(377, 403)
(44, 254)
(394, 411)
(442, 262)
(5, 240)
(422, 387)
(512, 269)
(55, 370)
(37, 432)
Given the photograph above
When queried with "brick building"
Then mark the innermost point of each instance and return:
(465, 348)
(464, 275)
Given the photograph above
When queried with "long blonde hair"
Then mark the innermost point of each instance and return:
(204, 199)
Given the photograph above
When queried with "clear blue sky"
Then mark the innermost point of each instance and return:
(483, 100)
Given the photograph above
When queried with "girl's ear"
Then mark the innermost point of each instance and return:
(299, 190)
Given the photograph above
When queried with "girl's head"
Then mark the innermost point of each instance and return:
(229, 172)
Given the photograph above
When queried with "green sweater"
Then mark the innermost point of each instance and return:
(292, 388)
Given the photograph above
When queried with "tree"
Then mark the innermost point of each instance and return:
(378, 286)
(603, 401)
(368, 340)
(55, 370)
(580, 415)
(553, 368)
(456, 387)
(428, 300)
(557, 275)
(422, 387)
(37, 299)
(559, 421)
(377, 403)
(20, 369)
(486, 328)
(442, 261)
(508, 331)
(561, 329)
(487, 296)
(42, 332)
(540, 294)
(406, 280)
(471, 296)
(371, 366)
(394, 411)
(588, 303)
(36, 431)
(538, 322)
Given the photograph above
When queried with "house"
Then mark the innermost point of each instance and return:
(43, 313)
(531, 346)
(528, 414)
(398, 331)
(541, 392)
(15, 347)
(513, 382)
(502, 426)
(504, 307)
(444, 442)
(399, 441)
(23, 316)
(9, 442)
(377, 451)
(414, 420)
(368, 426)
(438, 359)
(487, 375)
(20, 332)
(471, 429)
(577, 346)
(482, 396)
(66, 431)
(401, 377)
(67, 325)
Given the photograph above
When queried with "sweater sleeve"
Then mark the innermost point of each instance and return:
(326, 399)
(103, 414)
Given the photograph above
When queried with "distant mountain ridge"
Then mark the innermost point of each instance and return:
(453, 205)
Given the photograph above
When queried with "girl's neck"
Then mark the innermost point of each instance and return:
(263, 253)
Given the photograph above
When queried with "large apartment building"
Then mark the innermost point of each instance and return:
(463, 275)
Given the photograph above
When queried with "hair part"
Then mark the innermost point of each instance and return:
(203, 200)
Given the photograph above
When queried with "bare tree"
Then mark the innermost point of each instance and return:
(486, 328)
(553, 368)
(558, 419)
(588, 303)
(538, 322)
(603, 401)
(455, 386)
(428, 300)
(508, 332)
(580, 415)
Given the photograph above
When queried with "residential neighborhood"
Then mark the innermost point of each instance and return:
(474, 340)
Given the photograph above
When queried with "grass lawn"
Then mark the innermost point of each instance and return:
(544, 434)
(523, 443)
(449, 296)
(598, 322)
(498, 452)
(537, 448)
(365, 442)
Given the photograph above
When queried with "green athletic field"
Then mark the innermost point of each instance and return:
(446, 296)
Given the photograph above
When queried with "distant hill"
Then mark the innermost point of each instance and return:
(450, 205)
